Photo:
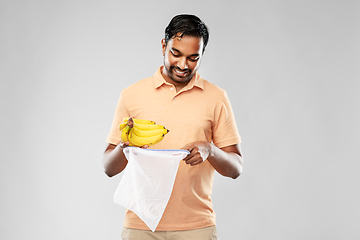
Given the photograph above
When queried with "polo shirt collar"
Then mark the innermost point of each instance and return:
(195, 81)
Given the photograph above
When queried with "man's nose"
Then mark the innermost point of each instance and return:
(182, 63)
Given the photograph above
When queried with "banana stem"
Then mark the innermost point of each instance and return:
(130, 123)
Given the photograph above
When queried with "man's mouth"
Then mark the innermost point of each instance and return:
(180, 73)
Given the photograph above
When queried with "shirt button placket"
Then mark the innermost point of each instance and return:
(172, 89)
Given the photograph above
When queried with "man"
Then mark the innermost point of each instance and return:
(200, 119)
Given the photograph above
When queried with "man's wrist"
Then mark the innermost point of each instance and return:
(212, 149)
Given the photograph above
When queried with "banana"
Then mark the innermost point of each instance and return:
(148, 133)
(140, 132)
(141, 126)
(125, 134)
(142, 121)
(141, 141)
(122, 126)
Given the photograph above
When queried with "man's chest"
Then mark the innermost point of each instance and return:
(186, 115)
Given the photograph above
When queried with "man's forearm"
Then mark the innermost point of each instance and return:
(114, 160)
(226, 161)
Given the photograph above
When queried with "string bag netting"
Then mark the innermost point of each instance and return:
(147, 182)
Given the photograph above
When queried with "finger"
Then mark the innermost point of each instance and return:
(189, 156)
(196, 162)
(193, 159)
(124, 144)
(186, 147)
(190, 161)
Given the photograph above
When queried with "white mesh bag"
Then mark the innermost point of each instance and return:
(147, 182)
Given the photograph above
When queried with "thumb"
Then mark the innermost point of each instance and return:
(187, 147)
(184, 147)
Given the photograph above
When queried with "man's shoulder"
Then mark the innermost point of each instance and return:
(145, 83)
(212, 88)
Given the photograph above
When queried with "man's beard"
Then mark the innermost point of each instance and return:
(172, 76)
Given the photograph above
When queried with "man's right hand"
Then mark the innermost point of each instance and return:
(114, 160)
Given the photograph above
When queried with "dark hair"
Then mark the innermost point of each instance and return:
(187, 25)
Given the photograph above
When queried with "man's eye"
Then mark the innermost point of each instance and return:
(175, 55)
(193, 59)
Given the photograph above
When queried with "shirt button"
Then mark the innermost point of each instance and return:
(171, 88)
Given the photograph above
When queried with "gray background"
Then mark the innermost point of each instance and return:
(291, 69)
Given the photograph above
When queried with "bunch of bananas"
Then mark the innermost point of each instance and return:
(140, 132)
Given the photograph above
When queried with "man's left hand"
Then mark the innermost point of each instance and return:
(199, 152)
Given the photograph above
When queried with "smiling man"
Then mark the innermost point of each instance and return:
(182, 57)
(200, 118)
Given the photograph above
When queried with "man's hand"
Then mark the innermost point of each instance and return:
(199, 152)
(123, 144)
(226, 160)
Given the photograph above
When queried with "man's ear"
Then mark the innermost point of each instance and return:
(163, 46)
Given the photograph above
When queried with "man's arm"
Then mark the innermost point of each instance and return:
(227, 161)
(114, 160)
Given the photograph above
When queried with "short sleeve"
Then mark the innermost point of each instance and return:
(225, 132)
(121, 112)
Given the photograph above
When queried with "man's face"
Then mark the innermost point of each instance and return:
(181, 59)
